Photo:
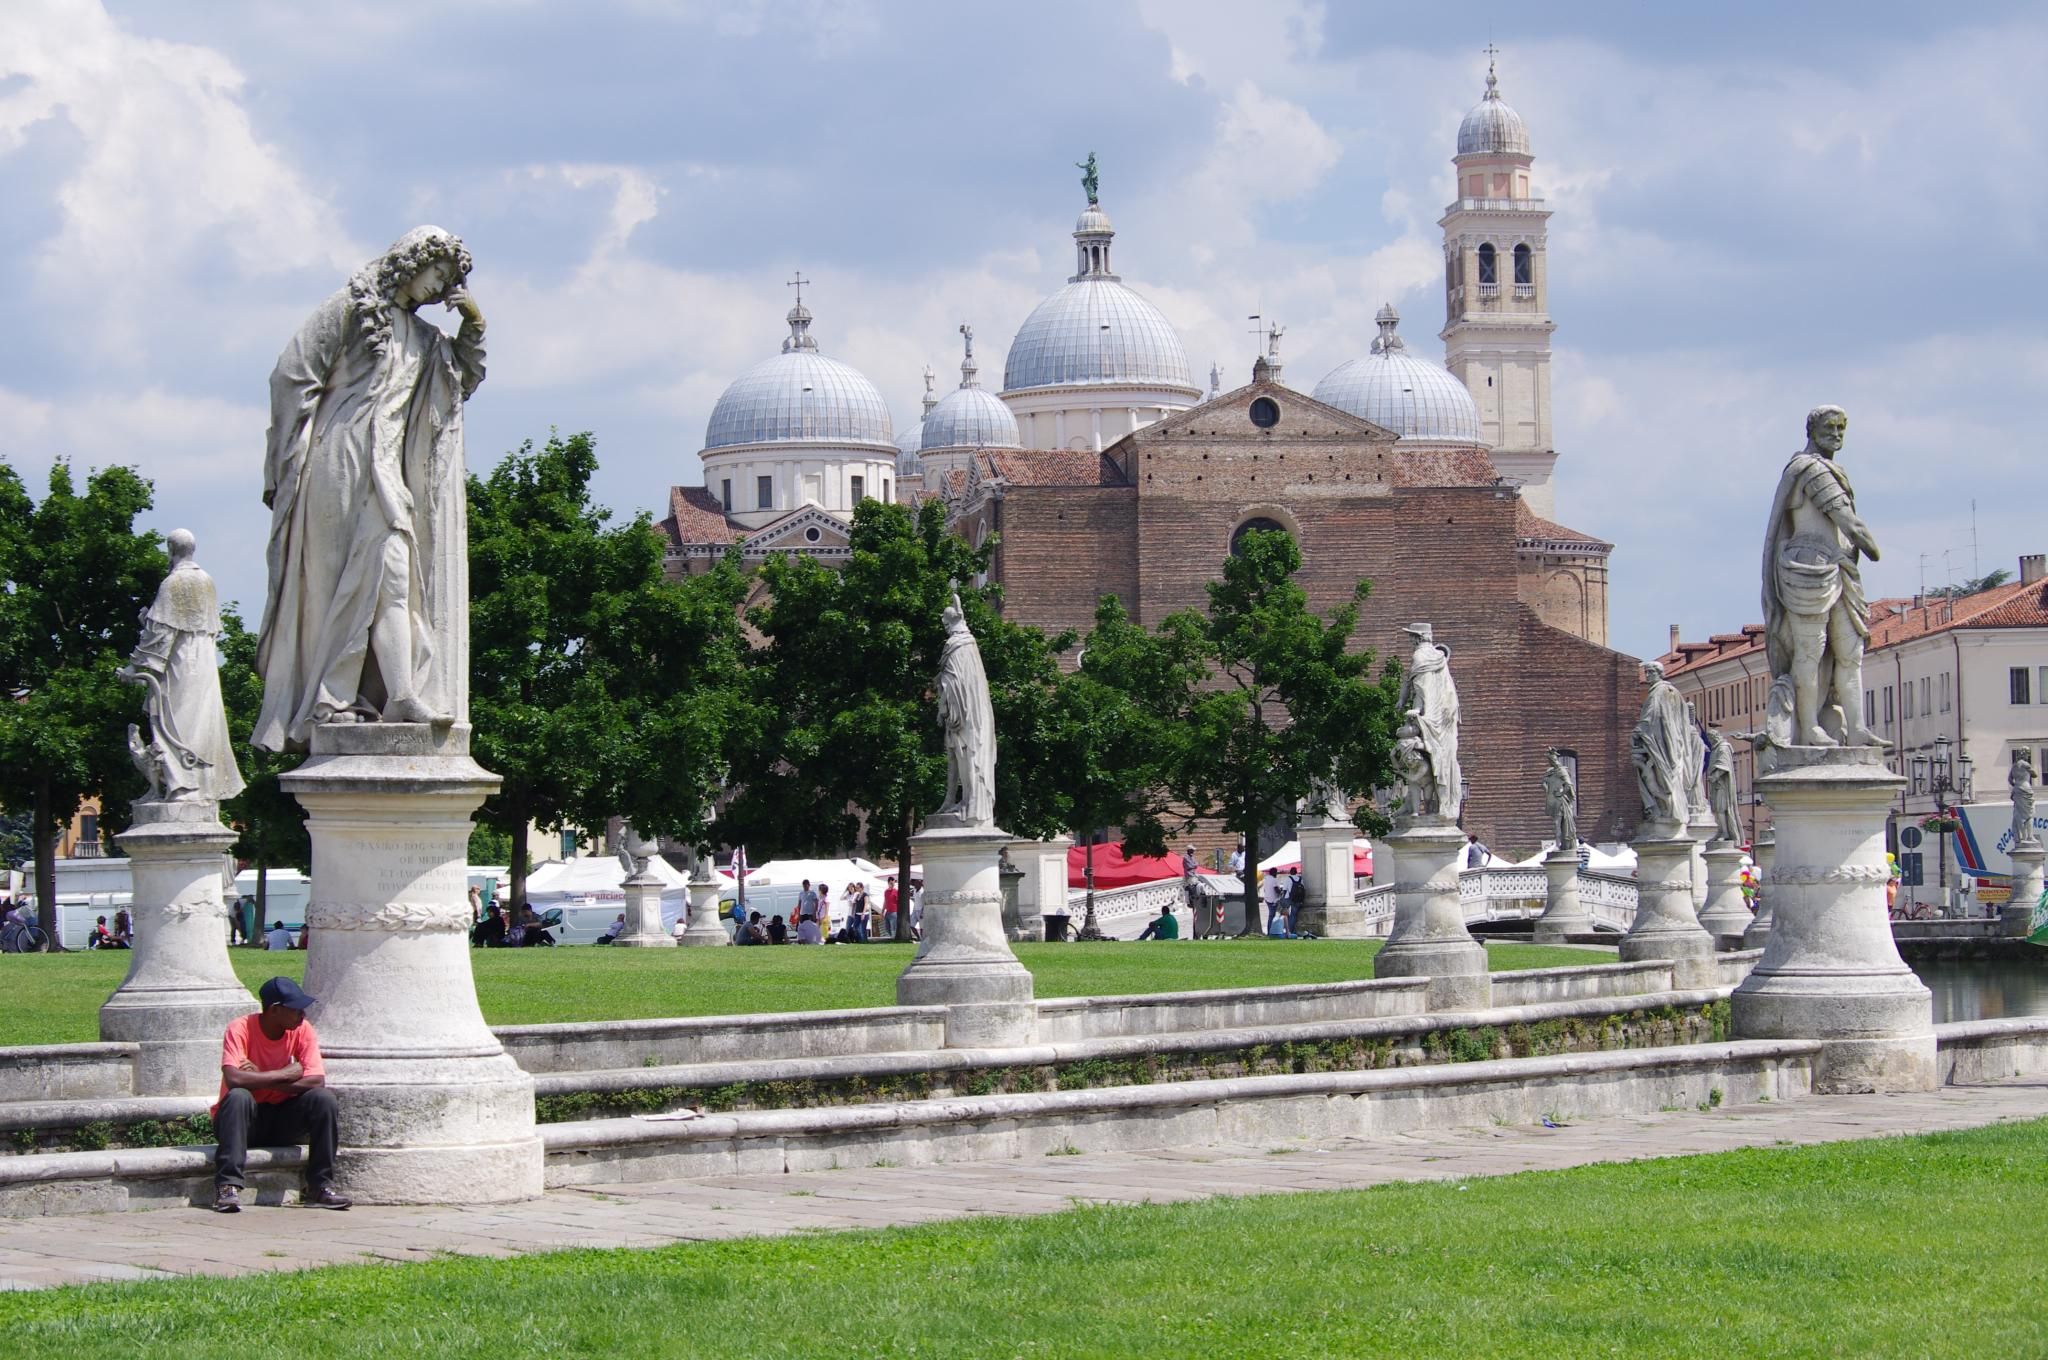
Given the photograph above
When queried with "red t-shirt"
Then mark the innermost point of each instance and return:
(245, 1042)
(889, 898)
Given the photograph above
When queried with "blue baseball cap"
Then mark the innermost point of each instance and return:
(282, 991)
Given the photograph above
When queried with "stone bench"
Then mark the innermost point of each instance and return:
(66, 1071)
(138, 1178)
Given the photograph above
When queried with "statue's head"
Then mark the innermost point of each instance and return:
(955, 617)
(1652, 672)
(421, 267)
(1826, 428)
(181, 545)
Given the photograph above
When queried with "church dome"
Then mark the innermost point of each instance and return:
(1492, 128)
(970, 416)
(907, 445)
(800, 396)
(1421, 402)
(1095, 331)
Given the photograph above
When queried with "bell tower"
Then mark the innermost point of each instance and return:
(1496, 294)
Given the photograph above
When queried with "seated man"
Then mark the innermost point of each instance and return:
(491, 933)
(1167, 927)
(277, 937)
(614, 930)
(273, 1089)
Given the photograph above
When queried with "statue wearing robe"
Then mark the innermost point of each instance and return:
(368, 612)
(1721, 788)
(2020, 779)
(1429, 699)
(1561, 801)
(1661, 748)
(188, 754)
(969, 723)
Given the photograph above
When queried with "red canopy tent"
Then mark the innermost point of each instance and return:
(1114, 869)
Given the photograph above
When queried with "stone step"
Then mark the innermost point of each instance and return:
(67, 1071)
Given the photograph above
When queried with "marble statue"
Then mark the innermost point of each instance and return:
(1429, 702)
(1815, 626)
(368, 613)
(1696, 757)
(1561, 800)
(1089, 183)
(2020, 779)
(1661, 747)
(1327, 801)
(1721, 786)
(970, 727)
(635, 850)
(188, 755)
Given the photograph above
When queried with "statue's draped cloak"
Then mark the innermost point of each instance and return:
(1802, 576)
(1662, 745)
(366, 473)
(969, 723)
(1431, 690)
(181, 665)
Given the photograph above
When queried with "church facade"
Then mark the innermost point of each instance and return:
(1101, 468)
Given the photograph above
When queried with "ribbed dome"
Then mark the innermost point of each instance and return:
(907, 445)
(800, 396)
(970, 418)
(1419, 401)
(1492, 127)
(1095, 330)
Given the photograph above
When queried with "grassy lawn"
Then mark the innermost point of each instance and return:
(1900, 1246)
(56, 998)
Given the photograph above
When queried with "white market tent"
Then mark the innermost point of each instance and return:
(1289, 855)
(772, 888)
(587, 891)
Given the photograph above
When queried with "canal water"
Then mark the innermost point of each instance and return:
(1985, 989)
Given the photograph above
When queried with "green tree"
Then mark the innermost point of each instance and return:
(843, 731)
(1990, 580)
(1284, 702)
(78, 575)
(600, 688)
(270, 825)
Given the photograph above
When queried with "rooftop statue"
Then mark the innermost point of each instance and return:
(1429, 703)
(1561, 801)
(368, 613)
(188, 755)
(1661, 747)
(969, 723)
(1089, 182)
(1814, 613)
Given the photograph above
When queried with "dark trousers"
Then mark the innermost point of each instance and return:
(311, 1117)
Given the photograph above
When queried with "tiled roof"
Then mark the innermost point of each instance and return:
(1055, 467)
(1693, 655)
(1529, 524)
(695, 516)
(2012, 605)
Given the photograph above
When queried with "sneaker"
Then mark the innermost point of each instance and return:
(327, 1197)
(227, 1199)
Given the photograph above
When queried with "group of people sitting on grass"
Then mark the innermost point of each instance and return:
(864, 917)
(121, 935)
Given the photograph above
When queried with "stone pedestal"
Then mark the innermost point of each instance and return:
(701, 929)
(1701, 829)
(2017, 917)
(1429, 938)
(1760, 924)
(1331, 910)
(1043, 891)
(1830, 970)
(644, 929)
(1665, 926)
(181, 991)
(432, 1109)
(1563, 914)
(1726, 912)
(963, 962)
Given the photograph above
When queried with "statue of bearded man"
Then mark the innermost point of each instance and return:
(368, 613)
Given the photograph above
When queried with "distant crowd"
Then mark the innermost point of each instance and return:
(856, 916)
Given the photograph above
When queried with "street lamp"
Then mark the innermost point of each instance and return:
(1941, 776)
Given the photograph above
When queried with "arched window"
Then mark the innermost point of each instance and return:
(1257, 522)
(1489, 264)
(1525, 267)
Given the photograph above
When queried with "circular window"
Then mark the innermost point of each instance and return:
(811, 535)
(1261, 522)
(1265, 413)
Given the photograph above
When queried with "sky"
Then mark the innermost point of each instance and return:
(1757, 208)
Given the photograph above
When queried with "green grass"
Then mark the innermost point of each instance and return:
(1891, 1247)
(49, 999)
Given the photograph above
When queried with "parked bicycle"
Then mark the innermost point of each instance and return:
(19, 937)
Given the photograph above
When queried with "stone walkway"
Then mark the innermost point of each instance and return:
(41, 1252)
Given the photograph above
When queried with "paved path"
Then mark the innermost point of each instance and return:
(159, 1244)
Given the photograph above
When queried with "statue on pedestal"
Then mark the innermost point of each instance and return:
(2020, 779)
(1426, 746)
(1326, 801)
(1815, 626)
(635, 850)
(188, 755)
(1661, 748)
(1561, 801)
(368, 612)
(970, 727)
(1721, 786)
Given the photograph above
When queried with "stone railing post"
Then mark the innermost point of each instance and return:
(1331, 908)
(644, 930)
(701, 929)
(1564, 915)
(1725, 914)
